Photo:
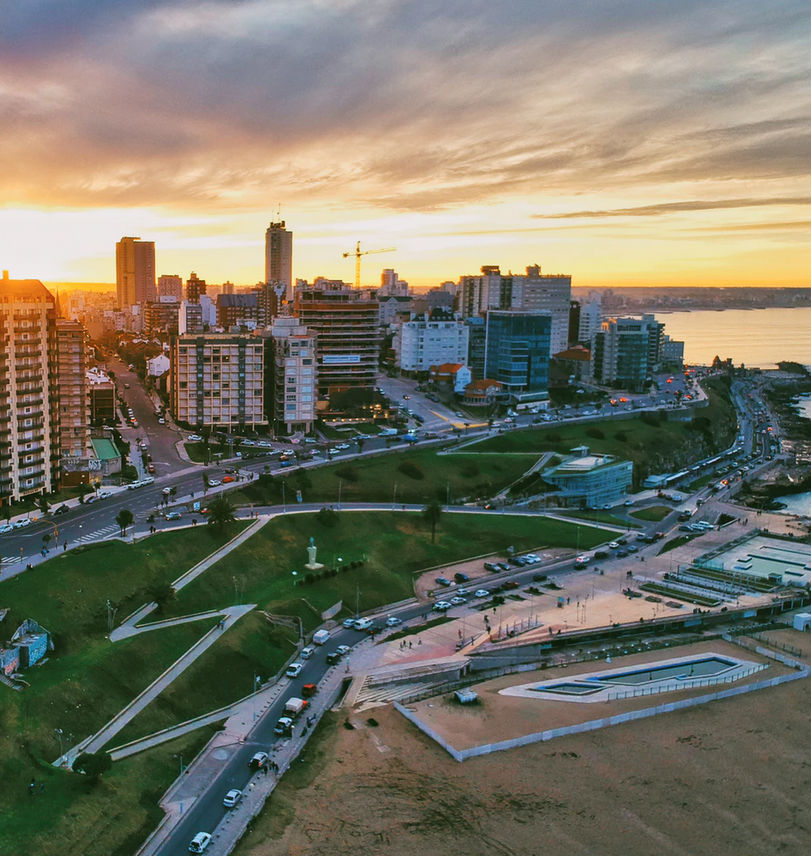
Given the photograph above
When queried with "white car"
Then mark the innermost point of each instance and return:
(583, 559)
(232, 797)
(614, 545)
(343, 650)
(393, 621)
(6, 527)
(214, 482)
(481, 593)
(363, 623)
(135, 484)
(457, 600)
(442, 606)
(161, 420)
(194, 438)
(294, 670)
(105, 493)
(200, 842)
(349, 623)
(307, 652)
(21, 524)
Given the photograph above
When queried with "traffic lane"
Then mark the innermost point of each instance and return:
(207, 811)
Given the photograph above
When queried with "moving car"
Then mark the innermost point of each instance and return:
(393, 621)
(343, 649)
(481, 593)
(232, 797)
(307, 652)
(173, 515)
(442, 606)
(457, 600)
(293, 670)
(362, 623)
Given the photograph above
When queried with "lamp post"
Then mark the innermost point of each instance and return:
(256, 681)
(59, 732)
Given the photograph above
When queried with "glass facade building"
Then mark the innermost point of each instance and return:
(517, 350)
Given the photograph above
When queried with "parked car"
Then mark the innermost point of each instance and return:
(393, 621)
(614, 545)
(363, 623)
(307, 652)
(214, 482)
(460, 577)
(258, 760)
(333, 657)
(63, 509)
(510, 584)
(6, 527)
(200, 842)
(293, 670)
(349, 623)
(21, 524)
(442, 581)
(228, 479)
(343, 650)
(232, 797)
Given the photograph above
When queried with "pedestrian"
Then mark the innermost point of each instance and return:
(410, 645)
(65, 546)
(419, 641)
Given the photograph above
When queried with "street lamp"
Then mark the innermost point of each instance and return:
(295, 574)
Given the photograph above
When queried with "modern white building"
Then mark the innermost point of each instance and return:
(217, 379)
(591, 316)
(158, 365)
(418, 345)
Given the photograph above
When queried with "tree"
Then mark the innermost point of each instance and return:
(161, 593)
(431, 514)
(220, 513)
(361, 444)
(84, 489)
(124, 519)
(42, 503)
(92, 764)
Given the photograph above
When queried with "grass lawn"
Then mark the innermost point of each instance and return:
(200, 454)
(419, 476)
(652, 512)
(395, 546)
(250, 647)
(110, 818)
(600, 516)
(86, 679)
(653, 445)
(676, 542)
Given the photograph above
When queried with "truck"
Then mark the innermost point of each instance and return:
(294, 706)
(321, 636)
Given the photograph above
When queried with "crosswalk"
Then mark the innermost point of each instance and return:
(100, 534)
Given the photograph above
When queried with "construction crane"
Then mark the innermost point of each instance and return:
(357, 253)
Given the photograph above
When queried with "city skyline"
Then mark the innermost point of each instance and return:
(637, 144)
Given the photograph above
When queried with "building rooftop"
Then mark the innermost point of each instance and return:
(105, 449)
(14, 289)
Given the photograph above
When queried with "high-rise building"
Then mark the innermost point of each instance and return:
(348, 336)
(590, 320)
(294, 375)
(29, 403)
(217, 379)
(279, 256)
(162, 316)
(625, 351)
(517, 352)
(418, 345)
(74, 399)
(194, 288)
(529, 292)
(190, 318)
(477, 340)
(170, 285)
(134, 272)
(391, 284)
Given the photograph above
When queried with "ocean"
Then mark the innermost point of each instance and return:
(757, 338)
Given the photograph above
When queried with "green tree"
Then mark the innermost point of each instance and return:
(220, 513)
(124, 519)
(92, 764)
(42, 503)
(162, 593)
(84, 489)
(431, 514)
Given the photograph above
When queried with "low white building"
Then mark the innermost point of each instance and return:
(418, 345)
(158, 366)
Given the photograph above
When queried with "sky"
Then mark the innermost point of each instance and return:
(626, 142)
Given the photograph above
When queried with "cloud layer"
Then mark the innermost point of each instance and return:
(399, 105)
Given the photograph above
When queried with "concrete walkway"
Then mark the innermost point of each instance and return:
(100, 739)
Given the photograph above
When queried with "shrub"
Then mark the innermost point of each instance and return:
(621, 437)
(650, 418)
(595, 432)
(347, 473)
(410, 469)
(328, 517)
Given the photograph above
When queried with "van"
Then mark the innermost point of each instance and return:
(321, 636)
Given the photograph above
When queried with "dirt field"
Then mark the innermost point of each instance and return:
(731, 777)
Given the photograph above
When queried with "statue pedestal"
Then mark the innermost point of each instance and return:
(314, 566)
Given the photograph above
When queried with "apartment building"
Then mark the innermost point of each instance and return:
(347, 334)
(217, 379)
(294, 376)
(170, 285)
(74, 395)
(134, 272)
(625, 351)
(279, 256)
(29, 415)
(418, 345)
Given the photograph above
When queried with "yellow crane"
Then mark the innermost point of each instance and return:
(357, 253)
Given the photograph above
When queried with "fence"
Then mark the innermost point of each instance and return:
(686, 684)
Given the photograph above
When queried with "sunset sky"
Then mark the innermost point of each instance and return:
(627, 143)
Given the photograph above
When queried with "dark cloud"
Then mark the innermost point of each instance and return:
(402, 105)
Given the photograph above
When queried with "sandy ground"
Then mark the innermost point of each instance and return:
(731, 777)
